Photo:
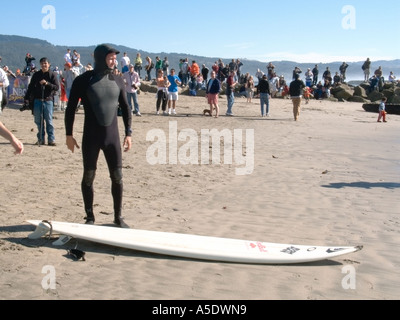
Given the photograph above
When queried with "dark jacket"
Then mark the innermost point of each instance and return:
(296, 88)
(263, 87)
(35, 89)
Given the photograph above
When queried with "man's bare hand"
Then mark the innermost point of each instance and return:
(71, 144)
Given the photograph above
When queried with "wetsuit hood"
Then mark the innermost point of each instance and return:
(100, 54)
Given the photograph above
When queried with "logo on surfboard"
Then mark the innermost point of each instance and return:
(258, 245)
(290, 250)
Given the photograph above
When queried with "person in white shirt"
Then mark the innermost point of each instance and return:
(4, 83)
(67, 57)
(125, 62)
(392, 77)
(309, 77)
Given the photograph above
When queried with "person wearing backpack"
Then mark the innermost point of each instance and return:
(366, 68)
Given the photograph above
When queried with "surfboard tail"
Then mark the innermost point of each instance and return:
(42, 229)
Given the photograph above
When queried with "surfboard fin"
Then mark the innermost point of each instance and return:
(41, 230)
(62, 241)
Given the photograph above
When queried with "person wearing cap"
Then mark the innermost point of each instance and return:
(43, 87)
(101, 95)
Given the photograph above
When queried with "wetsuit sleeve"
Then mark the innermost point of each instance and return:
(73, 100)
(126, 113)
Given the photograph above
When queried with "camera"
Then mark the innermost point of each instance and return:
(26, 106)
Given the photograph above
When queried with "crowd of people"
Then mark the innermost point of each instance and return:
(221, 75)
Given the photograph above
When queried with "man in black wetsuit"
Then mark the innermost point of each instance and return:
(100, 95)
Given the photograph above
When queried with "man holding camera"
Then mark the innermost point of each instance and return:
(43, 86)
(132, 85)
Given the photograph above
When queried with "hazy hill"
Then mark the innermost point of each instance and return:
(13, 50)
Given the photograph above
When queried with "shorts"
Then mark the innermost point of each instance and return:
(173, 96)
(212, 98)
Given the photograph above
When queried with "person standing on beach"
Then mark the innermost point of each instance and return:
(138, 63)
(315, 72)
(4, 83)
(367, 69)
(125, 62)
(43, 86)
(296, 92)
(264, 91)
(343, 69)
(309, 77)
(382, 110)
(249, 89)
(162, 92)
(204, 73)
(100, 96)
(213, 89)
(271, 70)
(67, 57)
(165, 65)
(239, 65)
(149, 67)
(230, 92)
(159, 65)
(132, 84)
(8, 135)
(296, 71)
(173, 97)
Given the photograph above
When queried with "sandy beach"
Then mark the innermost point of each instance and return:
(332, 178)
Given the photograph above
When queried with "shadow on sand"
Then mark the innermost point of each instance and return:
(363, 185)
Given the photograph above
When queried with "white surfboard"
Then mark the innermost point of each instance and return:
(191, 246)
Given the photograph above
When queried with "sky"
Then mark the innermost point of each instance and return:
(263, 30)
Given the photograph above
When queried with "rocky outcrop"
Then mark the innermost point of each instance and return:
(390, 108)
(342, 92)
(362, 93)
